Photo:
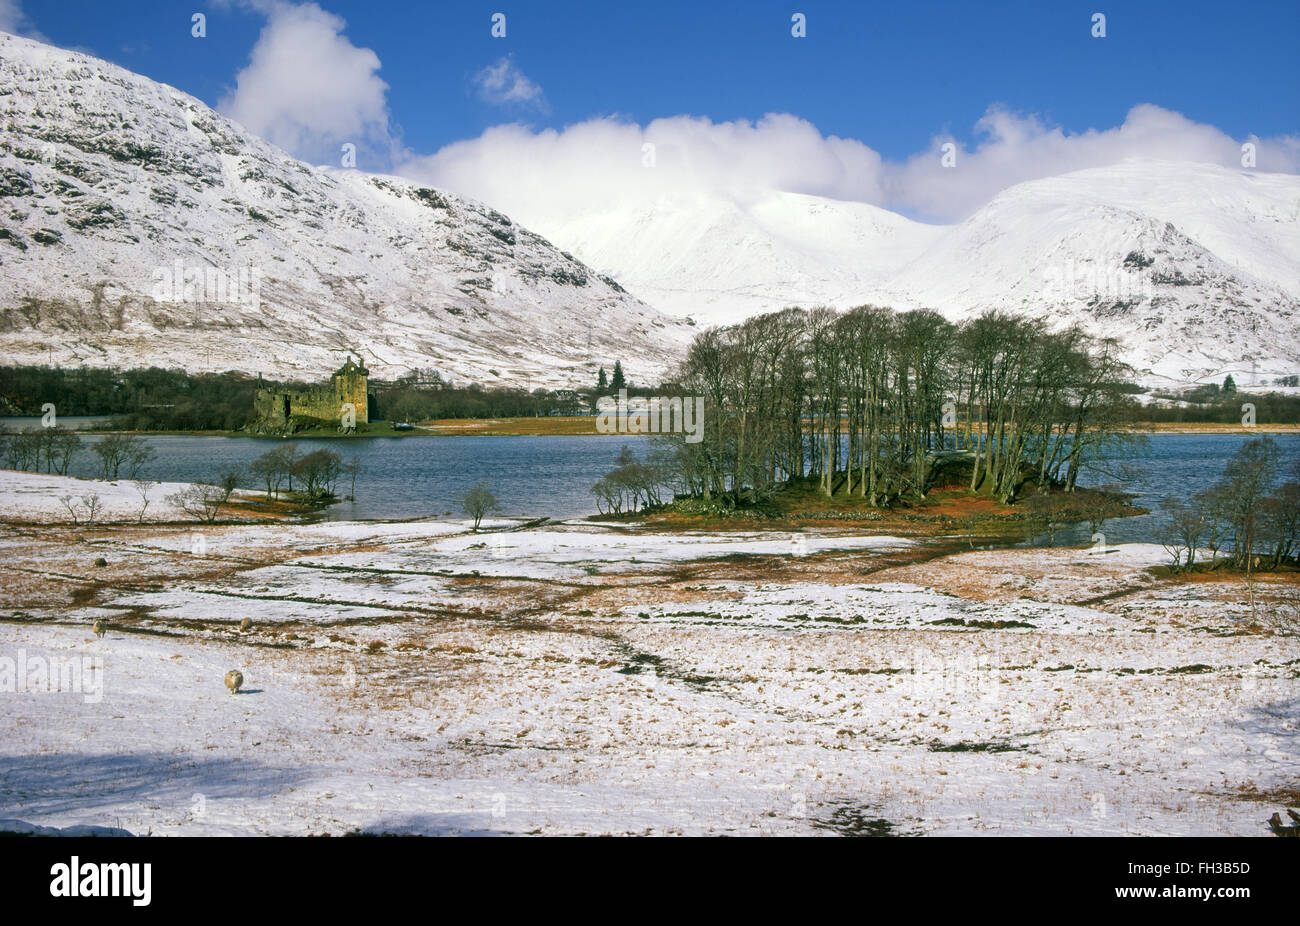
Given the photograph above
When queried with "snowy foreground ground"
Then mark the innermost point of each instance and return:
(572, 678)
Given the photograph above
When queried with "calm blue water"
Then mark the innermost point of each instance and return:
(1174, 464)
(411, 477)
(551, 476)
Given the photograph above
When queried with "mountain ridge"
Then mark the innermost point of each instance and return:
(1194, 267)
(130, 211)
(109, 180)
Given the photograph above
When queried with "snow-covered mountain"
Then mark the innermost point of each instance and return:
(1194, 267)
(719, 261)
(139, 227)
(130, 210)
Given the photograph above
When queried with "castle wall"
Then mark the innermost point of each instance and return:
(324, 404)
(269, 407)
(350, 386)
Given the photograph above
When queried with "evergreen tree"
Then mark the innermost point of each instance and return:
(1229, 385)
(618, 382)
(602, 382)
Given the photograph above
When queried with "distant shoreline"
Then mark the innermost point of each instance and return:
(585, 426)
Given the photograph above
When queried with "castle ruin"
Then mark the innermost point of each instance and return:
(318, 406)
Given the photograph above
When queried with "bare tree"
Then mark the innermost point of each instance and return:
(58, 445)
(116, 451)
(1212, 504)
(318, 472)
(23, 451)
(204, 500)
(91, 503)
(1281, 523)
(144, 487)
(1247, 478)
(275, 467)
(635, 483)
(138, 455)
(1186, 525)
(201, 500)
(352, 470)
(67, 502)
(228, 481)
(479, 502)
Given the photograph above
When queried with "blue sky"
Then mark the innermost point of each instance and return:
(890, 74)
(897, 77)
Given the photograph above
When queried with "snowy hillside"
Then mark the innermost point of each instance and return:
(139, 227)
(1195, 268)
(720, 261)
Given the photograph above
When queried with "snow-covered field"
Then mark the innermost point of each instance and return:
(42, 498)
(575, 678)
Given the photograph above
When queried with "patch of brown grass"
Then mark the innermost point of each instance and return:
(515, 427)
(1287, 797)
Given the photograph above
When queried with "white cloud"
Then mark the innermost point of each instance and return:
(541, 175)
(503, 84)
(16, 22)
(1012, 148)
(308, 89)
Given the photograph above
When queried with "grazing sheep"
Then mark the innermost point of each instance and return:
(100, 628)
(234, 678)
(246, 625)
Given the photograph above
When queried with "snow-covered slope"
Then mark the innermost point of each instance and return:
(110, 182)
(1194, 267)
(719, 260)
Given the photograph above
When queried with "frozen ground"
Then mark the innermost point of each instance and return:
(576, 678)
(52, 499)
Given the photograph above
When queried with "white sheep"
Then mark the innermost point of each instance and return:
(234, 679)
(246, 625)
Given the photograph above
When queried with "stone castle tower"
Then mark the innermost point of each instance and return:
(319, 406)
(349, 386)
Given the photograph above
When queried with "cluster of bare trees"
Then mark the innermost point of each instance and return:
(1248, 518)
(864, 401)
(316, 475)
(635, 483)
(54, 447)
(82, 509)
(121, 453)
(318, 472)
(313, 476)
(204, 500)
